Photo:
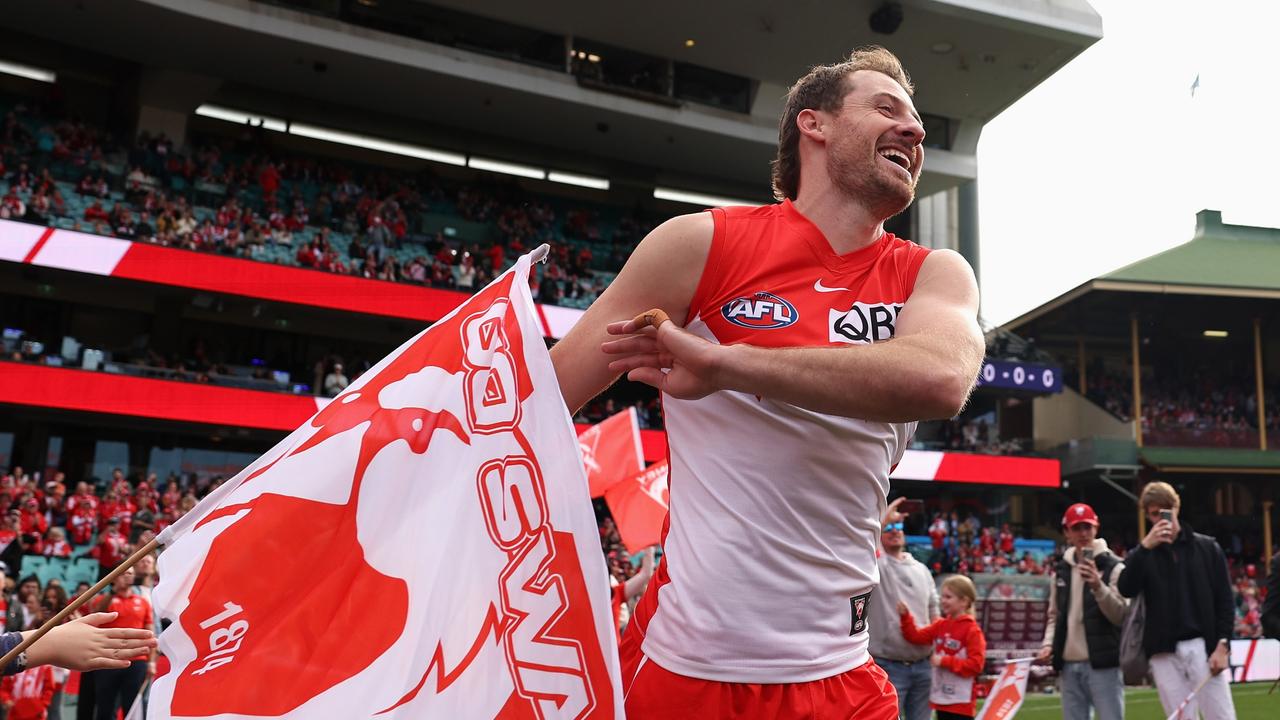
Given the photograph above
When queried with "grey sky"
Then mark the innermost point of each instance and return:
(1108, 161)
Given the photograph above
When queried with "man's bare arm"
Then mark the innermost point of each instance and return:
(663, 272)
(925, 372)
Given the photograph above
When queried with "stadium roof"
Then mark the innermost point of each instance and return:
(1219, 256)
(971, 59)
(1221, 260)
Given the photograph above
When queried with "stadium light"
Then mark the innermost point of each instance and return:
(28, 72)
(240, 117)
(585, 181)
(693, 198)
(371, 143)
(1215, 333)
(506, 168)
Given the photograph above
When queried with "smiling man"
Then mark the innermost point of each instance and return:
(806, 343)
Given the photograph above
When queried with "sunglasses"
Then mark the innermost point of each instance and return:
(893, 526)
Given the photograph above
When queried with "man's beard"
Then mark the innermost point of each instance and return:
(868, 185)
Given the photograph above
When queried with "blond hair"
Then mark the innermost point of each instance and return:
(822, 88)
(1159, 494)
(961, 586)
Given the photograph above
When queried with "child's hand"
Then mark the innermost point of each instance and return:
(936, 660)
(83, 645)
(903, 609)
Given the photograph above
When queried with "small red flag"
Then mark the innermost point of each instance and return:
(639, 507)
(611, 451)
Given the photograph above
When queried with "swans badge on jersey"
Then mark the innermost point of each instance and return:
(858, 605)
(762, 311)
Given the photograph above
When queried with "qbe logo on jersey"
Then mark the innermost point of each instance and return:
(762, 311)
(863, 323)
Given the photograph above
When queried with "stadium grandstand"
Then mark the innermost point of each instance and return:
(1169, 372)
(215, 215)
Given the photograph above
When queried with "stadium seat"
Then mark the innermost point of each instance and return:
(37, 565)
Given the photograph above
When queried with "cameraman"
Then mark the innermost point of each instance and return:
(1182, 577)
(1082, 635)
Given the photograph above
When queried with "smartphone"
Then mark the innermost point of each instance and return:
(911, 507)
(1088, 554)
(1166, 515)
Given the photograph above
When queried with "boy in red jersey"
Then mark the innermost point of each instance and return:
(785, 406)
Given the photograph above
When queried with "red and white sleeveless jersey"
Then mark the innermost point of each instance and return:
(775, 510)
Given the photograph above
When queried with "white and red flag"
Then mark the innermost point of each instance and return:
(611, 451)
(423, 547)
(639, 506)
(1008, 692)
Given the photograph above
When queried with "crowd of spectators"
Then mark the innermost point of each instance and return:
(327, 376)
(1249, 596)
(969, 547)
(1199, 407)
(1203, 411)
(242, 198)
(105, 521)
(611, 402)
(615, 553)
(972, 435)
(48, 532)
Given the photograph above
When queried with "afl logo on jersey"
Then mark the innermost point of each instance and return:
(762, 311)
(863, 323)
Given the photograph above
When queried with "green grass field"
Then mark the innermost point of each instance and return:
(1252, 703)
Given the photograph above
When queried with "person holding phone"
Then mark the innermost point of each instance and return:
(903, 580)
(1086, 611)
(1183, 580)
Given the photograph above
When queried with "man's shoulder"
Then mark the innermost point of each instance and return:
(907, 559)
(1208, 542)
(753, 212)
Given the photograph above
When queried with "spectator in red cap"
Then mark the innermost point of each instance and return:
(1086, 611)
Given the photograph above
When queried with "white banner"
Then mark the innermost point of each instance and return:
(1255, 660)
(423, 547)
(1008, 692)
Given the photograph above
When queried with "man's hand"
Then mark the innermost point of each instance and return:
(1161, 533)
(82, 645)
(1045, 655)
(1089, 573)
(646, 558)
(891, 514)
(1218, 661)
(667, 357)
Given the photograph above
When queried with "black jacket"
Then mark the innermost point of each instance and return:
(1100, 636)
(1192, 565)
(1271, 607)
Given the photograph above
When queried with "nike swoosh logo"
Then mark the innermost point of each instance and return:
(817, 285)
